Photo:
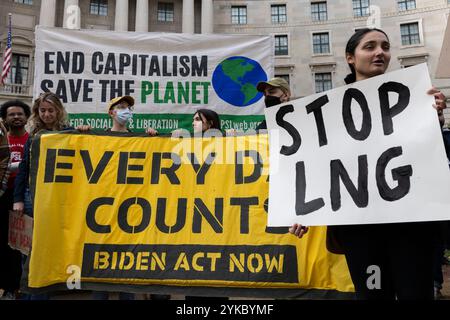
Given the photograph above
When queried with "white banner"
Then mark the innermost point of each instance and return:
(167, 73)
(369, 152)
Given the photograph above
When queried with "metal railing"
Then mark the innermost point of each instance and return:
(17, 89)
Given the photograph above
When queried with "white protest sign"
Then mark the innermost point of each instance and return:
(369, 152)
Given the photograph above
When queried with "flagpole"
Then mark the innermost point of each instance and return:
(2, 83)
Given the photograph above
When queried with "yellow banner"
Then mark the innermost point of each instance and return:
(136, 211)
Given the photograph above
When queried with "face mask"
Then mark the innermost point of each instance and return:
(123, 116)
(271, 101)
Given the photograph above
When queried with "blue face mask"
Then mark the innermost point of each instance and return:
(123, 116)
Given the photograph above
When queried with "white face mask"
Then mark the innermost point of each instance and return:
(123, 116)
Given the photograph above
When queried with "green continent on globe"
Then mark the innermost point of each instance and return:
(249, 90)
(235, 69)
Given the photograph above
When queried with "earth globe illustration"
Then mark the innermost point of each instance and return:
(235, 80)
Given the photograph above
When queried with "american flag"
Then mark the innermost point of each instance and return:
(8, 54)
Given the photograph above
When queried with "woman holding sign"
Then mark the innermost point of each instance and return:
(386, 261)
(48, 113)
(204, 120)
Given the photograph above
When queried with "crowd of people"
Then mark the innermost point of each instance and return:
(409, 254)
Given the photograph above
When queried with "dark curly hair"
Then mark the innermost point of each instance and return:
(14, 103)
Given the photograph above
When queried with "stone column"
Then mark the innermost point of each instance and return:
(207, 16)
(48, 13)
(188, 16)
(141, 15)
(121, 18)
(72, 15)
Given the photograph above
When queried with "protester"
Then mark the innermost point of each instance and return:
(4, 158)
(443, 228)
(14, 114)
(202, 121)
(275, 91)
(47, 114)
(446, 136)
(403, 252)
(120, 109)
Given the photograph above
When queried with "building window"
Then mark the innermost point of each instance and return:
(323, 82)
(239, 15)
(284, 76)
(410, 33)
(99, 7)
(361, 8)
(19, 69)
(321, 43)
(165, 11)
(279, 13)
(24, 1)
(319, 11)
(281, 45)
(406, 5)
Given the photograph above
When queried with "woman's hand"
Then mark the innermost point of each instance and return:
(18, 207)
(298, 230)
(83, 128)
(439, 97)
(151, 132)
